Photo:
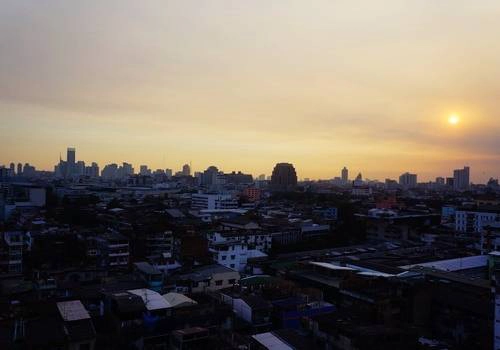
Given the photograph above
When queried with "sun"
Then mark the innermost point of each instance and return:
(453, 119)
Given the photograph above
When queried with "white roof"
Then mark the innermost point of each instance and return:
(468, 262)
(375, 274)
(72, 310)
(177, 299)
(331, 266)
(153, 300)
(271, 342)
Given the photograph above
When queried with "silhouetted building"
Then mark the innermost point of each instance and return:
(209, 176)
(345, 175)
(461, 179)
(284, 177)
(186, 170)
(408, 180)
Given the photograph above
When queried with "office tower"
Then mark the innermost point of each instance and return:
(345, 175)
(19, 169)
(71, 155)
(168, 173)
(186, 170)
(12, 168)
(283, 177)
(70, 161)
(408, 180)
(262, 177)
(461, 179)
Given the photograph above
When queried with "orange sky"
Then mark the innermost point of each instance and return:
(245, 84)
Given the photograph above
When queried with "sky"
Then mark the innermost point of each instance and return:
(246, 84)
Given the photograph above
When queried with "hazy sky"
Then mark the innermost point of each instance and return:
(245, 84)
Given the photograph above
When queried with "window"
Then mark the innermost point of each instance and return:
(224, 257)
(231, 281)
(218, 283)
(233, 257)
(231, 266)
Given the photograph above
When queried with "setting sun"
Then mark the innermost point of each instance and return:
(453, 119)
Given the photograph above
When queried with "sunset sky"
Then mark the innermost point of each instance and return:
(246, 84)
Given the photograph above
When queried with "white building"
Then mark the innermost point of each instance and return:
(259, 240)
(213, 201)
(473, 221)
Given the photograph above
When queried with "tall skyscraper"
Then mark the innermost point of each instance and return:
(408, 180)
(461, 179)
(12, 169)
(70, 161)
(284, 177)
(19, 169)
(345, 175)
(186, 170)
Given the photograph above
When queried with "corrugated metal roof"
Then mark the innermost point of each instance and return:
(72, 310)
(271, 342)
(153, 300)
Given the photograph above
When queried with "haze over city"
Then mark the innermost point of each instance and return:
(243, 85)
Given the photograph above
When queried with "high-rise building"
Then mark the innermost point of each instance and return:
(12, 169)
(143, 170)
(209, 176)
(345, 175)
(408, 180)
(19, 169)
(80, 168)
(168, 173)
(70, 161)
(461, 179)
(284, 177)
(92, 170)
(262, 177)
(186, 170)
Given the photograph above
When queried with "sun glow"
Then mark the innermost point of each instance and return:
(453, 119)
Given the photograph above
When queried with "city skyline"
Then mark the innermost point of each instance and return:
(73, 167)
(247, 85)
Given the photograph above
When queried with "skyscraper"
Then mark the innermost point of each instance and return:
(12, 169)
(19, 169)
(70, 161)
(461, 179)
(345, 175)
(284, 177)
